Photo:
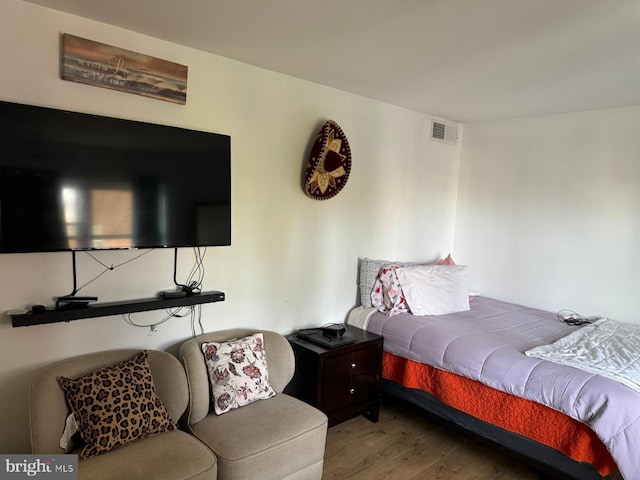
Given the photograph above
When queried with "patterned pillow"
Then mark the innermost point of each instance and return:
(369, 270)
(237, 372)
(387, 295)
(116, 405)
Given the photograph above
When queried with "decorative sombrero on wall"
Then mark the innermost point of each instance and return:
(329, 163)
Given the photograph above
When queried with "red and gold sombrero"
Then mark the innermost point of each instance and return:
(329, 163)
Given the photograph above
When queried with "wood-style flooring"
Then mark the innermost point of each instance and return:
(406, 445)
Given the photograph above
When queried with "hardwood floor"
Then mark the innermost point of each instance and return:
(406, 445)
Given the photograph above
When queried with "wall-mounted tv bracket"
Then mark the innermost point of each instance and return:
(71, 300)
(181, 290)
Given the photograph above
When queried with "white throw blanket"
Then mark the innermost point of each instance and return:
(605, 347)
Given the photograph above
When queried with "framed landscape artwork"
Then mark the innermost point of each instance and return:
(93, 63)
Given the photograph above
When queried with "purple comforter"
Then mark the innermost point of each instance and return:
(487, 343)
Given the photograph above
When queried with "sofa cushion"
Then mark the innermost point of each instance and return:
(174, 455)
(116, 405)
(247, 440)
(237, 372)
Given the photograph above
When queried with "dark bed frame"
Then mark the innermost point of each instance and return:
(545, 459)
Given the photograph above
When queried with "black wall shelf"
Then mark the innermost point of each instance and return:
(113, 308)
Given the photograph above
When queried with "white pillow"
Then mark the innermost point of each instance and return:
(435, 289)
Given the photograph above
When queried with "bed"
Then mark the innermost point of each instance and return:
(469, 368)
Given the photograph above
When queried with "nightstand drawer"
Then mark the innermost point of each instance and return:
(361, 361)
(356, 390)
(335, 395)
(366, 384)
(365, 388)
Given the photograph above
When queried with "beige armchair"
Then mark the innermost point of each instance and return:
(169, 455)
(277, 438)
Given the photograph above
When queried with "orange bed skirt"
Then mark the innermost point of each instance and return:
(515, 414)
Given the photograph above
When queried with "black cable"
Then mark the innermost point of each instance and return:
(197, 272)
(194, 284)
(571, 317)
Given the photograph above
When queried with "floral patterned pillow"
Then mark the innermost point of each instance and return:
(237, 372)
(387, 295)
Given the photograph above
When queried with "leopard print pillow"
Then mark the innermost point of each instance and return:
(116, 405)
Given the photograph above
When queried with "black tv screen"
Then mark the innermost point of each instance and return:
(74, 181)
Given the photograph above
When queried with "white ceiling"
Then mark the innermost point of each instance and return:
(463, 60)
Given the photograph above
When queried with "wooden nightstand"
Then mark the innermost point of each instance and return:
(343, 382)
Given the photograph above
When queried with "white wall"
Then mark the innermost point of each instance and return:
(293, 261)
(549, 211)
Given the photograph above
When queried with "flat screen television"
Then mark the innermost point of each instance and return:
(74, 181)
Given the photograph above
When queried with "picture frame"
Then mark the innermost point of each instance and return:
(93, 63)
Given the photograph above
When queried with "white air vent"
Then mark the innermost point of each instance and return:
(444, 132)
